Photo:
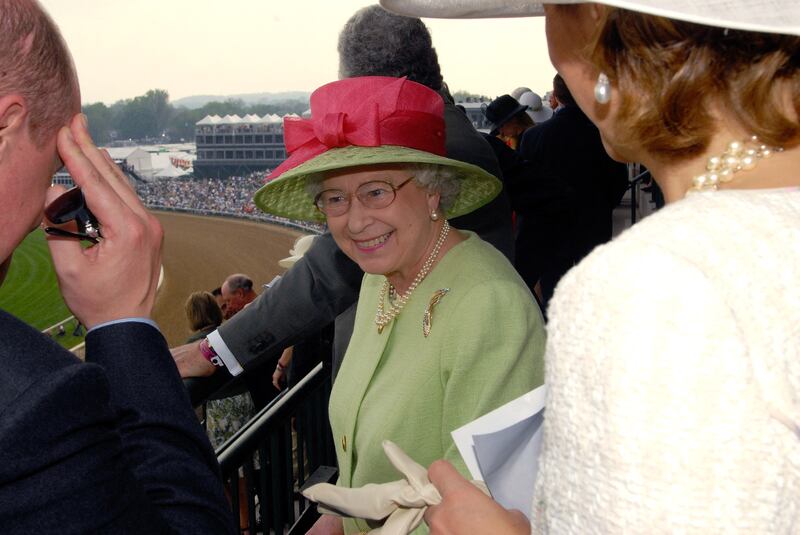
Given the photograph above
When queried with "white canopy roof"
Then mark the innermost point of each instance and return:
(170, 171)
(209, 120)
(212, 120)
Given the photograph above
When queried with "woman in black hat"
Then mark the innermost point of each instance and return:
(508, 119)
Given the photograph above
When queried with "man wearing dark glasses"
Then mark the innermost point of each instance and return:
(111, 446)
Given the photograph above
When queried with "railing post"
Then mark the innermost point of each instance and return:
(270, 434)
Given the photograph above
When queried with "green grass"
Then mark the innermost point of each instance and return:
(30, 291)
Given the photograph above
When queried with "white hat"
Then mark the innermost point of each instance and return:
(518, 92)
(536, 108)
(301, 246)
(771, 16)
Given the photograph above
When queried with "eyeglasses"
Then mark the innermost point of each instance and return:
(373, 195)
(71, 206)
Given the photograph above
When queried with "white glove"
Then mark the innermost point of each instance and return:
(402, 503)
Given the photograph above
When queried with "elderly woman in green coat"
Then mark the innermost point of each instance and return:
(445, 329)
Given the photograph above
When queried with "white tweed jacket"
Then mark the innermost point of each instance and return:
(673, 364)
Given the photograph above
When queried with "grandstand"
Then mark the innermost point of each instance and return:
(200, 251)
(234, 145)
(224, 197)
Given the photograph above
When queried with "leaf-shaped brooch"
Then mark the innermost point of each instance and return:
(427, 319)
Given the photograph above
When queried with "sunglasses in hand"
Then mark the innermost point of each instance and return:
(71, 206)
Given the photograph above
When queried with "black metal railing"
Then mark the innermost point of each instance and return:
(635, 185)
(272, 456)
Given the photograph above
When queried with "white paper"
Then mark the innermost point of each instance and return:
(502, 449)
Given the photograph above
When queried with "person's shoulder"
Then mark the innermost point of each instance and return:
(707, 221)
(537, 131)
(475, 262)
(464, 143)
(715, 238)
(556, 131)
(27, 356)
(475, 249)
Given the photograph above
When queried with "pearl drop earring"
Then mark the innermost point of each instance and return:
(434, 216)
(602, 89)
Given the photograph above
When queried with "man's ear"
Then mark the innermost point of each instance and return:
(13, 112)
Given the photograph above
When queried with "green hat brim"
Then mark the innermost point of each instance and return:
(287, 195)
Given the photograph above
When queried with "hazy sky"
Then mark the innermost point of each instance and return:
(122, 48)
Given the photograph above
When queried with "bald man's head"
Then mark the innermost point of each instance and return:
(237, 291)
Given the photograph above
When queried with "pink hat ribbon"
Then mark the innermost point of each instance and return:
(367, 112)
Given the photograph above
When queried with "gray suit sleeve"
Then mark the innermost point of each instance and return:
(320, 286)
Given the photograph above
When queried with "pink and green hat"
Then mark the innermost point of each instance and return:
(364, 121)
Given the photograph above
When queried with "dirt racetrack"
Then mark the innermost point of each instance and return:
(199, 252)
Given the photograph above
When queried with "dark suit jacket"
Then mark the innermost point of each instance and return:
(325, 283)
(566, 199)
(110, 446)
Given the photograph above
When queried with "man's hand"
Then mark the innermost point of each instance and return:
(116, 278)
(277, 378)
(191, 362)
(466, 510)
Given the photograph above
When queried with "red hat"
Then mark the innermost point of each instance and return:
(369, 120)
(368, 111)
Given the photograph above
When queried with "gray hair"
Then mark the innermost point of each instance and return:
(239, 281)
(375, 42)
(441, 179)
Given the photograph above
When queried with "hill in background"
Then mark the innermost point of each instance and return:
(198, 101)
(153, 119)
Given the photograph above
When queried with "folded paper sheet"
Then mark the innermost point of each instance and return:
(502, 449)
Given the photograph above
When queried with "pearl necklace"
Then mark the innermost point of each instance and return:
(382, 319)
(740, 155)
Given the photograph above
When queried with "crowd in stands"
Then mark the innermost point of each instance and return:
(219, 196)
(230, 195)
(671, 353)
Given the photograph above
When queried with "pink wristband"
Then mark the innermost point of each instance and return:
(209, 354)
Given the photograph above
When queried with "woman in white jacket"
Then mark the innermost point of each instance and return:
(673, 354)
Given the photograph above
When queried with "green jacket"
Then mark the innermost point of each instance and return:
(485, 348)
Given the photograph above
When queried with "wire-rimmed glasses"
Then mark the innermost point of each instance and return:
(374, 194)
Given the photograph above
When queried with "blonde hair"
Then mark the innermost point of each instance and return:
(202, 311)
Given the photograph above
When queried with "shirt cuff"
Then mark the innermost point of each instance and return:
(147, 321)
(221, 349)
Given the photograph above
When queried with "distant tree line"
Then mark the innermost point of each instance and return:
(466, 96)
(151, 117)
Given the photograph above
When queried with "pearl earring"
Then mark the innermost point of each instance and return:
(434, 216)
(602, 89)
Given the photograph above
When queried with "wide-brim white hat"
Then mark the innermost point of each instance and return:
(537, 110)
(771, 16)
(301, 246)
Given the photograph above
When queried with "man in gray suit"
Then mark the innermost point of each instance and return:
(325, 283)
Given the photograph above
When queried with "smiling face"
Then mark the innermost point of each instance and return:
(394, 240)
